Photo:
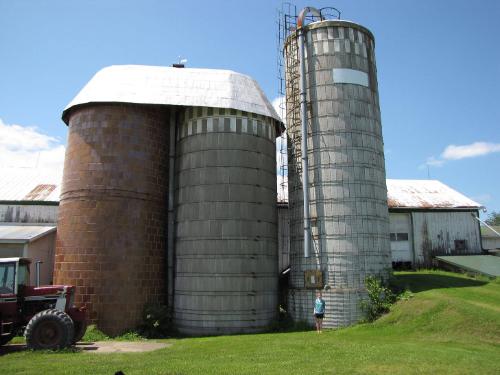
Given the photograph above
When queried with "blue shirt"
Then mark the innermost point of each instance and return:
(319, 306)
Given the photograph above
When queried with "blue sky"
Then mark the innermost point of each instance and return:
(438, 69)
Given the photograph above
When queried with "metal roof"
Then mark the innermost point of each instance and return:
(141, 84)
(23, 233)
(29, 184)
(430, 194)
(486, 264)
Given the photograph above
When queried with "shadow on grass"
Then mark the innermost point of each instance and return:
(421, 282)
(11, 348)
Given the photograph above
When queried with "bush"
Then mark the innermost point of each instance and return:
(380, 299)
(94, 334)
(156, 322)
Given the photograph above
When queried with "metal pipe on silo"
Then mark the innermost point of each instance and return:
(303, 118)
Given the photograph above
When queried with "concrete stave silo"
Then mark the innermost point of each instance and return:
(226, 243)
(347, 190)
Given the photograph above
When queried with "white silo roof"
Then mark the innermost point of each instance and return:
(141, 84)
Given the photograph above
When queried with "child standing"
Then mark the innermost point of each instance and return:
(319, 311)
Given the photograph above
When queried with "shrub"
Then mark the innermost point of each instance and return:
(380, 299)
(156, 321)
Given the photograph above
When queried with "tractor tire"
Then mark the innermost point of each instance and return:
(5, 339)
(80, 329)
(50, 330)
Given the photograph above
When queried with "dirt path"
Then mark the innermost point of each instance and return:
(101, 347)
(121, 346)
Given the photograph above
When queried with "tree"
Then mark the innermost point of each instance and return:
(493, 218)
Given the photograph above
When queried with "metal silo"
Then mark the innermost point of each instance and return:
(226, 224)
(112, 218)
(346, 219)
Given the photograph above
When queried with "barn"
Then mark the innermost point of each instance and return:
(29, 201)
(427, 219)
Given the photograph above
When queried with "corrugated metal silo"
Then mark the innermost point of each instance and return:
(347, 189)
(226, 236)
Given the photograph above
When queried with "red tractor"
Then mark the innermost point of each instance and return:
(46, 313)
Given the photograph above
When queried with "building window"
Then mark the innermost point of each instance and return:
(399, 236)
(460, 245)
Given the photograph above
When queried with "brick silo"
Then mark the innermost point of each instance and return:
(111, 232)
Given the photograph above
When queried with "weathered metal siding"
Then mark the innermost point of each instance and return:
(348, 194)
(111, 233)
(283, 237)
(435, 234)
(226, 246)
(490, 243)
(21, 213)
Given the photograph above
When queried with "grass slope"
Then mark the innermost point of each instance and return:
(450, 326)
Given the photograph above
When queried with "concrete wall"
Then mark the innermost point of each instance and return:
(42, 249)
(11, 250)
(25, 213)
(111, 234)
(348, 194)
(226, 246)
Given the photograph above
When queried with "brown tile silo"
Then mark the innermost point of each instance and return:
(111, 233)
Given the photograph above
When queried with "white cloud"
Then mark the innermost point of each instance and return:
(431, 162)
(27, 147)
(454, 152)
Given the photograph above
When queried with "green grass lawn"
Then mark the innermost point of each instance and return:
(450, 326)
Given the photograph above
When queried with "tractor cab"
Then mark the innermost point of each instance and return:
(14, 275)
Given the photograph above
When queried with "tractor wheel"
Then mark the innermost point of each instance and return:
(80, 329)
(49, 329)
(5, 339)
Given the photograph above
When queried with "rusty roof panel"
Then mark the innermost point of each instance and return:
(29, 184)
(430, 194)
(40, 192)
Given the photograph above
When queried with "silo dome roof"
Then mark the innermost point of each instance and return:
(141, 84)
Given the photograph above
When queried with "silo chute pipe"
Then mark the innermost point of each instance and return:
(303, 117)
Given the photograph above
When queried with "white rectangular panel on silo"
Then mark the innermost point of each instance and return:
(352, 76)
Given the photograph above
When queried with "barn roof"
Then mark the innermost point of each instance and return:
(29, 184)
(141, 84)
(19, 233)
(426, 194)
